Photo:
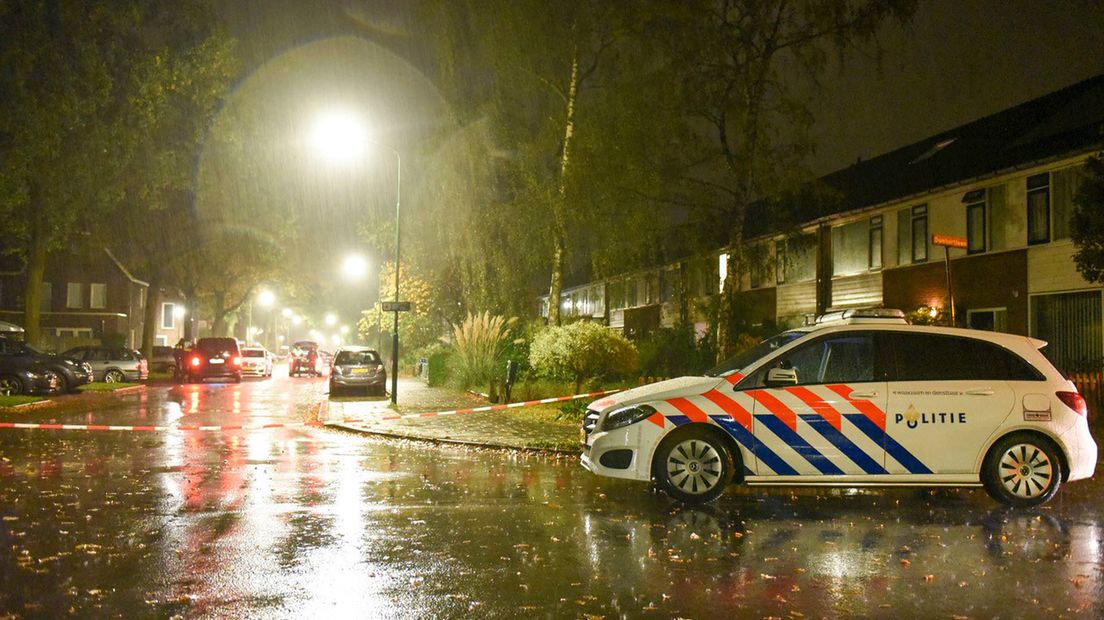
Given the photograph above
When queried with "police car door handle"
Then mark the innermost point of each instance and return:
(864, 395)
(980, 392)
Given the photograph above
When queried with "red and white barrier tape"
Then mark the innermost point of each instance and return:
(430, 414)
(154, 429)
(251, 427)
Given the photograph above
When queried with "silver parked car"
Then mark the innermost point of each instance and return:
(358, 368)
(111, 364)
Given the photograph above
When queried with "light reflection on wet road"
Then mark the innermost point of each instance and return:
(306, 522)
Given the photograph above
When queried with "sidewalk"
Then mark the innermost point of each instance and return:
(528, 428)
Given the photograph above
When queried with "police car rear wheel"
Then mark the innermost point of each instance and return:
(1022, 470)
(693, 466)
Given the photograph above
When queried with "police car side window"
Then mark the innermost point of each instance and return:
(834, 359)
(937, 357)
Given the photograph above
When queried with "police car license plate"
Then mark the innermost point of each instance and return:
(217, 360)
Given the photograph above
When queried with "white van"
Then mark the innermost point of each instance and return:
(856, 400)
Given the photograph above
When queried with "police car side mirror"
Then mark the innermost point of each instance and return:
(777, 377)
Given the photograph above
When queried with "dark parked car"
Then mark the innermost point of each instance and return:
(162, 360)
(70, 373)
(213, 357)
(111, 364)
(24, 376)
(358, 368)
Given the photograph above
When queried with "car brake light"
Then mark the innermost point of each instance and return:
(236, 361)
(1074, 401)
(196, 361)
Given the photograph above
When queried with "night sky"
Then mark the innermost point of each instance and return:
(957, 61)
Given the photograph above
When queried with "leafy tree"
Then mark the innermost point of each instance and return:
(1087, 227)
(580, 351)
(63, 126)
(418, 328)
(738, 64)
(523, 77)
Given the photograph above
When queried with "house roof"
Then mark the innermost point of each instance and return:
(1060, 123)
(124, 270)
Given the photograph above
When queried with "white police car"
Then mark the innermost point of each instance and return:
(857, 399)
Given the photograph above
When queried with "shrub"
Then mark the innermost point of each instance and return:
(582, 351)
(673, 352)
(479, 342)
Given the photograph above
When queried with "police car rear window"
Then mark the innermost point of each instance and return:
(937, 357)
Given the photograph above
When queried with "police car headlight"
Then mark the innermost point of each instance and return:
(626, 416)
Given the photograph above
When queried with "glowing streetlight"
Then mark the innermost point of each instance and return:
(340, 136)
(344, 330)
(266, 298)
(331, 319)
(287, 313)
(354, 267)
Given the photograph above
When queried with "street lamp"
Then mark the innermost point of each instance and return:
(266, 298)
(340, 136)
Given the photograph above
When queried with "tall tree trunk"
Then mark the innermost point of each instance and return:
(191, 305)
(36, 269)
(149, 315)
(218, 327)
(559, 241)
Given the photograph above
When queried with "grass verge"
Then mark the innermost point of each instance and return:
(15, 401)
(105, 387)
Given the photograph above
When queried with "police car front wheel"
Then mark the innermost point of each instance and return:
(693, 466)
(1022, 469)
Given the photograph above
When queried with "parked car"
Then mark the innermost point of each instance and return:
(163, 360)
(23, 376)
(112, 365)
(304, 359)
(70, 373)
(358, 368)
(256, 362)
(868, 401)
(213, 357)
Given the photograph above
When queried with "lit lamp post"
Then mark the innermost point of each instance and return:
(266, 298)
(340, 137)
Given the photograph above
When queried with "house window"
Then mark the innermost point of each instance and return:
(851, 248)
(46, 304)
(780, 262)
(912, 235)
(875, 254)
(99, 295)
(975, 227)
(74, 295)
(632, 287)
(1071, 325)
(920, 234)
(168, 316)
(989, 319)
(616, 292)
(1038, 208)
(668, 285)
(651, 289)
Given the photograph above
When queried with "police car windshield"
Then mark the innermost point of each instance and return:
(749, 356)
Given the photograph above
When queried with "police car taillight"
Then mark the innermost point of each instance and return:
(1074, 401)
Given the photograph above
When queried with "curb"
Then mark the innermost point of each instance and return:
(453, 442)
(32, 405)
(129, 390)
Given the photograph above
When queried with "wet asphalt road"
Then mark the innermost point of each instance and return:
(311, 522)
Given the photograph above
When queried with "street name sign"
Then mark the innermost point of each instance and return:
(948, 241)
(397, 306)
